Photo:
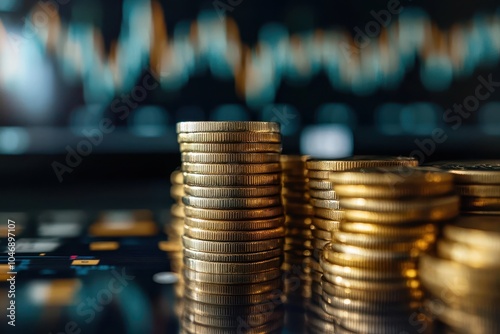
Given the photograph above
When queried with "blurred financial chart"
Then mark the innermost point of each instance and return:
(65, 66)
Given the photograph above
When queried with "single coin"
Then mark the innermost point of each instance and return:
(229, 137)
(480, 204)
(225, 169)
(361, 161)
(323, 194)
(200, 234)
(195, 307)
(475, 256)
(397, 244)
(344, 272)
(368, 254)
(475, 230)
(228, 126)
(321, 234)
(409, 205)
(432, 215)
(390, 231)
(176, 177)
(244, 257)
(325, 224)
(457, 279)
(304, 233)
(231, 289)
(233, 322)
(232, 268)
(229, 299)
(319, 174)
(315, 184)
(232, 247)
(233, 214)
(374, 191)
(371, 285)
(473, 172)
(230, 158)
(231, 203)
(393, 176)
(403, 295)
(338, 215)
(230, 147)
(326, 203)
(225, 278)
(369, 307)
(238, 225)
(231, 180)
(231, 192)
(482, 190)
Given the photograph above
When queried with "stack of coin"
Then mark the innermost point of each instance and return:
(298, 237)
(234, 226)
(175, 227)
(463, 276)
(175, 230)
(328, 215)
(478, 184)
(370, 279)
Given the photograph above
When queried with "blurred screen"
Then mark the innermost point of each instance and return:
(377, 77)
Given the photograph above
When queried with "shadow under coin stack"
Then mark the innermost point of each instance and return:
(175, 229)
(234, 227)
(370, 278)
(464, 276)
(298, 237)
(478, 184)
(327, 218)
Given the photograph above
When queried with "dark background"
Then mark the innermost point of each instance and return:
(125, 160)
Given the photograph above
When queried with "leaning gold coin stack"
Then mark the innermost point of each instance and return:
(463, 276)
(328, 216)
(298, 239)
(234, 226)
(478, 184)
(370, 277)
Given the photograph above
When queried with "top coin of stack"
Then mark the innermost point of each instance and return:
(234, 224)
(327, 208)
(463, 276)
(478, 184)
(370, 280)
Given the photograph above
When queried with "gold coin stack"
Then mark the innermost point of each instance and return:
(478, 184)
(298, 237)
(370, 279)
(328, 215)
(463, 276)
(175, 228)
(233, 227)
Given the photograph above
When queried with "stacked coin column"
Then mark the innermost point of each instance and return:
(327, 219)
(175, 228)
(298, 237)
(464, 277)
(234, 226)
(370, 277)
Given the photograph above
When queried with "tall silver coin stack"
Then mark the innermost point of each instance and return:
(234, 227)
(298, 237)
